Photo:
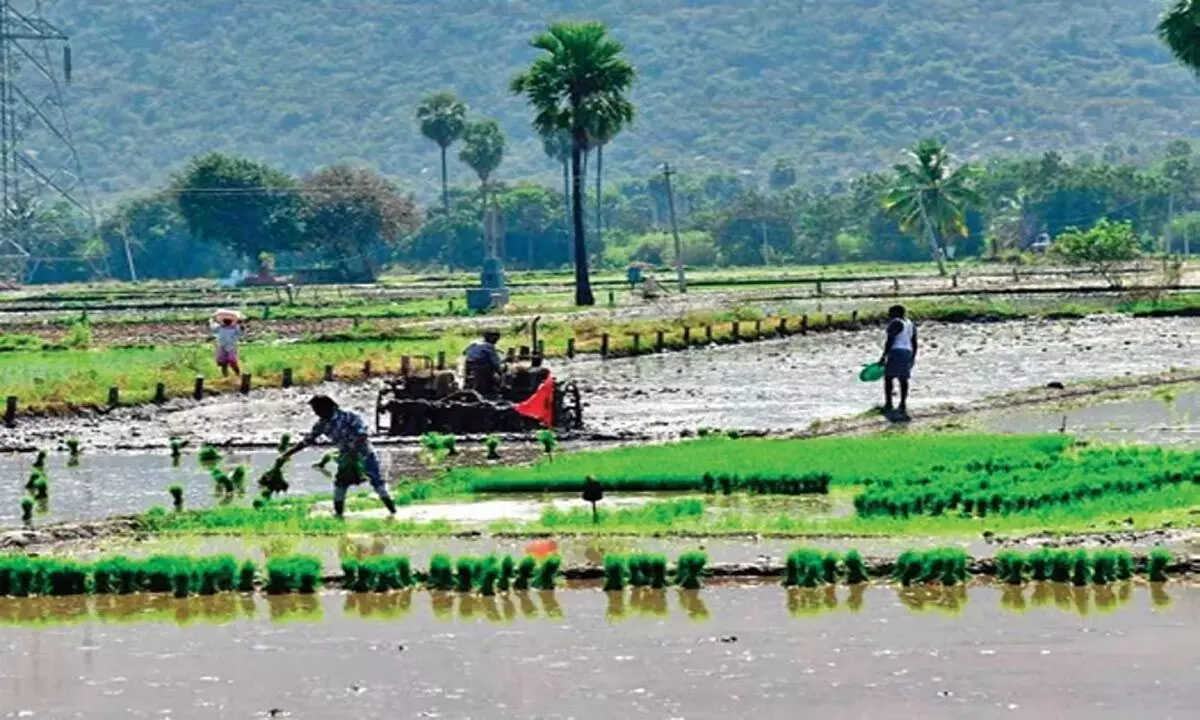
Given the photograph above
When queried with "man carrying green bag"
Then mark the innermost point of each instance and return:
(899, 354)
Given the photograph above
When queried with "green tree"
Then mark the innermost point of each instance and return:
(483, 151)
(160, 242)
(930, 197)
(783, 175)
(356, 217)
(580, 79)
(443, 119)
(1180, 30)
(1102, 248)
(248, 207)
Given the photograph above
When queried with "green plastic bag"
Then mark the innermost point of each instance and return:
(871, 373)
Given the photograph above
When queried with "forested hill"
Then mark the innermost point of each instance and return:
(731, 84)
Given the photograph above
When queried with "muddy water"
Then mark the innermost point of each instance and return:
(754, 651)
(791, 383)
(1164, 419)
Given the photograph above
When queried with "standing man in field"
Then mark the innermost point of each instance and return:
(483, 363)
(356, 457)
(899, 354)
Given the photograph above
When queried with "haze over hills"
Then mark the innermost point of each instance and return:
(839, 85)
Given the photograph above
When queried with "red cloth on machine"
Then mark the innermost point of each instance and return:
(540, 405)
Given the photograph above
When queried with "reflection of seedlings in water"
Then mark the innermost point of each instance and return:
(854, 602)
(1125, 592)
(804, 602)
(616, 605)
(1012, 597)
(947, 600)
(294, 608)
(693, 605)
(508, 607)
(1106, 599)
(831, 601)
(528, 609)
(1081, 599)
(467, 605)
(491, 608)
(1062, 596)
(1158, 596)
(442, 603)
(246, 604)
(550, 606)
(1042, 594)
(648, 601)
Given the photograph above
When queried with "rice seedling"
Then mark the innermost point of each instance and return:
(177, 444)
(441, 573)
(209, 456)
(39, 461)
(615, 572)
(284, 444)
(947, 566)
(1010, 567)
(803, 568)
(489, 575)
(548, 440)
(492, 443)
(27, 511)
(294, 573)
(467, 571)
(273, 482)
(1157, 563)
(1081, 568)
(829, 568)
(40, 489)
(1039, 564)
(238, 479)
(223, 485)
(176, 492)
(689, 570)
(246, 576)
(33, 477)
(326, 459)
(1060, 566)
(1123, 569)
(449, 443)
(381, 573)
(74, 450)
(505, 579)
(547, 573)
(524, 576)
(181, 580)
(1104, 567)
(856, 569)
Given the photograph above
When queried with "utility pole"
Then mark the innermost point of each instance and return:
(667, 173)
(37, 151)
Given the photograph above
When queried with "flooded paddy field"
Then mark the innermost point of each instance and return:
(1165, 418)
(725, 651)
(772, 385)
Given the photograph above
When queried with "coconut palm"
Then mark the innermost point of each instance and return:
(930, 197)
(1180, 30)
(443, 119)
(483, 151)
(581, 74)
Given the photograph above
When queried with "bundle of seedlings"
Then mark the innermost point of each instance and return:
(74, 450)
(176, 492)
(223, 485)
(39, 461)
(689, 570)
(285, 443)
(441, 573)
(647, 570)
(330, 456)
(492, 443)
(177, 444)
(547, 573)
(209, 456)
(616, 571)
(377, 574)
(293, 573)
(947, 566)
(525, 570)
(273, 482)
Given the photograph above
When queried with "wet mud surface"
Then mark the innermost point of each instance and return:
(768, 386)
(727, 651)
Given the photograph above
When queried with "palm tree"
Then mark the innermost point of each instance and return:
(606, 127)
(1180, 30)
(928, 196)
(581, 75)
(557, 146)
(483, 151)
(443, 119)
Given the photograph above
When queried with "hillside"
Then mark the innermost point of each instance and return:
(725, 84)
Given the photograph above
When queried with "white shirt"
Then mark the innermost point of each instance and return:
(227, 337)
(904, 339)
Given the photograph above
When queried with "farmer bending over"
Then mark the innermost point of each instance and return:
(899, 353)
(348, 431)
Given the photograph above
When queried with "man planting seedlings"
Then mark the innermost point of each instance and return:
(356, 457)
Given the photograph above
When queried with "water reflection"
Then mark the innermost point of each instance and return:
(633, 603)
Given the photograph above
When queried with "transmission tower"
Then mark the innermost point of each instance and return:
(39, 165)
